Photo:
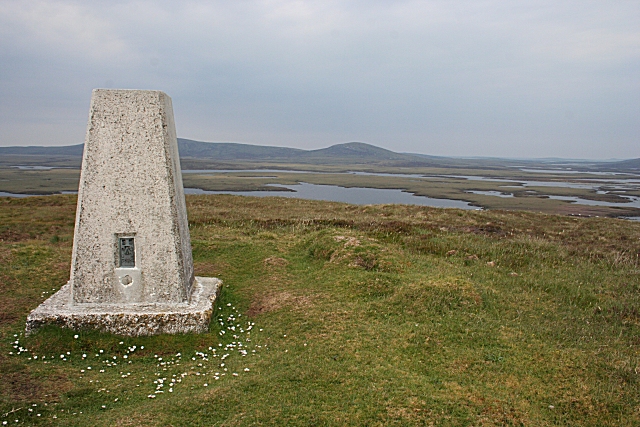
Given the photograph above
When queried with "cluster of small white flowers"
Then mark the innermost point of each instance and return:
(17, 346)
(45, 293)
(200, 360)
(208, 362)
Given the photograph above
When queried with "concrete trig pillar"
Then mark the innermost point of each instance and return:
(132, 268)
(131, 241)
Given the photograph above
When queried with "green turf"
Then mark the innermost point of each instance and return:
(358, 315)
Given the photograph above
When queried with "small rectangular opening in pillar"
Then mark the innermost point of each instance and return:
(127, 252)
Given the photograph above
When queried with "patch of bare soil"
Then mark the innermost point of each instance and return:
(7, 318)
(21, 386)
(274, 261)
(368, 262)
(209, 269)
(12, 236)
(275, 301)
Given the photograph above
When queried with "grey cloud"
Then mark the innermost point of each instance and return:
(492, 78)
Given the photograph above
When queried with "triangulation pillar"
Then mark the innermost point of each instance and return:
(131, 268)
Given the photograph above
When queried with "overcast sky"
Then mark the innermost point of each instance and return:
(463, 78)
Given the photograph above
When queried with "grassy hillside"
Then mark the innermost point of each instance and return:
(335, 314)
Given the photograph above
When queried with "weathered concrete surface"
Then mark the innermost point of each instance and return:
(131, 186)
(130, 319)
(131, 267)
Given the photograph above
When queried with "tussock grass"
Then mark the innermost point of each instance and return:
(364, 315)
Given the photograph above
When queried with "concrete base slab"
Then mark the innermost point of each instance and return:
(131, 319)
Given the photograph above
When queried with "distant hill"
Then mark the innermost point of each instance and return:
(355, 151)
(196, 152)
(233, 151)
(348, 152)
(632, 164)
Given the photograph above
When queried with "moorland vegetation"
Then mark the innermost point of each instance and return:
(337, 314)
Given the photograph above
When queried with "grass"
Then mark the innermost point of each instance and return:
(358, 315)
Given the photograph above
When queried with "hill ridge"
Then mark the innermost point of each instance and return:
(354, 152)
(232, 151)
